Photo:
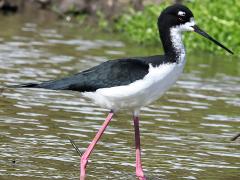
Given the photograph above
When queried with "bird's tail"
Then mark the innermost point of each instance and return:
(27, 85)
(60, 84)
(54, 85)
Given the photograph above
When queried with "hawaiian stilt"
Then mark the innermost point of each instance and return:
(132, 83)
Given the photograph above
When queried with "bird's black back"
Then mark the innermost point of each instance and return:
(108, 74)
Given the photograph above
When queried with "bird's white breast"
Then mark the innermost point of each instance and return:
(144, 91)
(141, 92)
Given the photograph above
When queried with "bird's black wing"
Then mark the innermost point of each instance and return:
(108, 74)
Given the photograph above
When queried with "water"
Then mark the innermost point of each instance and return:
(185, 134)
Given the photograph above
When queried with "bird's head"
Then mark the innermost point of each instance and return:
(181, 19)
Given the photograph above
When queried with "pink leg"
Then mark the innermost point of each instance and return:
(139, 170)
(85, 156)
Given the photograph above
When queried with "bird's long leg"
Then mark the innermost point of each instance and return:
(139, 170)
(85, 156)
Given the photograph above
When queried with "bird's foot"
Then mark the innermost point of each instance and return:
(140, 174)
(142, 177)
(82, 177)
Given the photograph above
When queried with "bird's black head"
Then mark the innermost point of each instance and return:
(179, 18)
(175, 16)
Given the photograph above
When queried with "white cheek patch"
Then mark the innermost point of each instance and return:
(181, 13)
(188, 26)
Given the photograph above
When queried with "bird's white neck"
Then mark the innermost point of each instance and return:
(177, 43)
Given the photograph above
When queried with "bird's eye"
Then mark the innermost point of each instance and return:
(181, 19)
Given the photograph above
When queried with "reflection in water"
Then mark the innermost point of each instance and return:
(185, 135)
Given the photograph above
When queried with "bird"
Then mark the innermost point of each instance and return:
(134, 82)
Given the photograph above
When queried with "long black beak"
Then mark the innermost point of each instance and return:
(204, 34)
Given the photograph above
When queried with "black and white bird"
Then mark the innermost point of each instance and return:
(131, 83)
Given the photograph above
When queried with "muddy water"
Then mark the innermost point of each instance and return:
(185, 134)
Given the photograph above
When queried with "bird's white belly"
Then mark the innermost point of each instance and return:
(139, 93)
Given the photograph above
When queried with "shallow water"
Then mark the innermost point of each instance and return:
(185, 134)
